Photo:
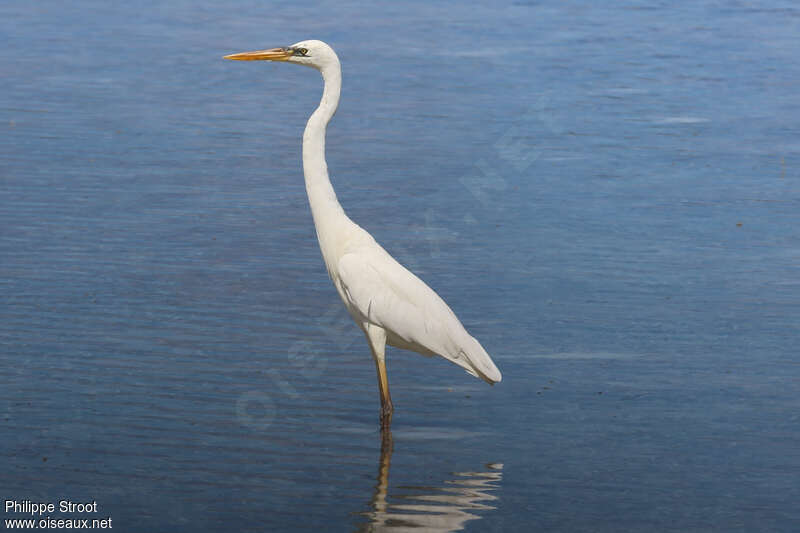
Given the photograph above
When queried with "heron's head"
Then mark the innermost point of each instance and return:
(309, 53)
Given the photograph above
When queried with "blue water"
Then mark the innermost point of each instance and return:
(608, 197)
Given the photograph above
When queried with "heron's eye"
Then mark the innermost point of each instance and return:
(301, 52)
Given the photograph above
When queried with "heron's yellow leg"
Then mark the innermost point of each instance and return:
(377, 343)
(386, 398)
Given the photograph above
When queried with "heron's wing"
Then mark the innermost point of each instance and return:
(387, 294)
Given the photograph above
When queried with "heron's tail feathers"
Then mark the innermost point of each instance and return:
(474, 359)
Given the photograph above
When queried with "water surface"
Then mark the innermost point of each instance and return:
(607, 197)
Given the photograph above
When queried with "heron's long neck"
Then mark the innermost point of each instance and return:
(328, 213)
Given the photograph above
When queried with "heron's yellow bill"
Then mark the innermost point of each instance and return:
(273, 54)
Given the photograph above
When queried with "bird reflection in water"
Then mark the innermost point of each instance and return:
(430, 509)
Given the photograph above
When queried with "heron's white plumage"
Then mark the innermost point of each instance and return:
(389, 303)
(378, 290)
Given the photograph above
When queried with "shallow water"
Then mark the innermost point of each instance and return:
(607, 197)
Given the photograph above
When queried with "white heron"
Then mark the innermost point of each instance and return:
(388, 302)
